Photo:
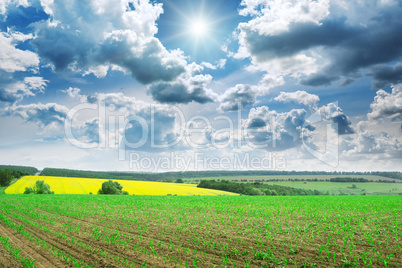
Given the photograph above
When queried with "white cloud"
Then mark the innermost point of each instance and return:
(333, 113)
(237, 98)
(29, 86)
(273, 17)
(13, 59)
(275, 131)
(5, 3)
(241, 95)
(370, 140)
(38, 113)
(301, 97)
(118, 35)
(75, 93)
(189, 86)
(387, 105)
(220, 64)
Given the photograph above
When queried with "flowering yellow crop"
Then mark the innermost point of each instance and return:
(67, 185)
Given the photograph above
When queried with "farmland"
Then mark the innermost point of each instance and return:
(203, 231)
(346, 188)
(371, 178)
(63, 185)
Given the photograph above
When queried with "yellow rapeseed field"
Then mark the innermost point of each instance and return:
(67, 185)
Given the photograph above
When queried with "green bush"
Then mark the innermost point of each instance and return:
(5, 177)
(29, 190)
(112, 187)
(40, 187)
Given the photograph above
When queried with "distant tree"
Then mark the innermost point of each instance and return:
(112, 187)
(40, 187)
(5, 177)
(179, 181)
(29, 190)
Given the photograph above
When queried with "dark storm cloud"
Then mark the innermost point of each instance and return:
(345, 47)
(385, 74)
(379, 42)
(301, 36)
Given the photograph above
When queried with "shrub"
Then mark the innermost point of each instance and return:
(179, 181)
(29, 190)
(40, 187)
(112, 187)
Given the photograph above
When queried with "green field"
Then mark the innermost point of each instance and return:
(199, 231)
(344, 187)
(333, 188)
(287, 177)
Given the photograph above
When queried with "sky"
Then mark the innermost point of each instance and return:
(177, 85)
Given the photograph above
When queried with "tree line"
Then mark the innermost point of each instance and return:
(22, 169)
(255, 188)
(7, 176)
(348, 179)
(196, 174)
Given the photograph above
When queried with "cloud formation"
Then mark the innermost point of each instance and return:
(324, 41)
(386, 74)
(301, 97)
(275, 131)
(240, 96)
(378, 144)
(387, 105)
(40, 114)
(16, 91)
(333, 113)
(188, 87)
(93, 37)
(237, 98)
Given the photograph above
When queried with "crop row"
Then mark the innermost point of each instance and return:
(138, 231)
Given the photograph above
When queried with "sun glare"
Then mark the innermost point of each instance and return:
(199, 28)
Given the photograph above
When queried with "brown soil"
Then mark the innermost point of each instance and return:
(7, 260)
(34, 252)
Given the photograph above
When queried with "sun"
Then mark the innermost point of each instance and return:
(199, 28)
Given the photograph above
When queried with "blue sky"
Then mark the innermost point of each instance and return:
(195, 85)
